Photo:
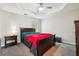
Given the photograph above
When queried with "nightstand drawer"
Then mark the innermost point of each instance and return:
(10, 37)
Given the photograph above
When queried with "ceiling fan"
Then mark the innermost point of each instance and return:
(42, 6)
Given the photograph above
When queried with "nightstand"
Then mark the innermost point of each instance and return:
(10, 40)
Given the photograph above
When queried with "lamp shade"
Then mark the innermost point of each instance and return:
(14, 30)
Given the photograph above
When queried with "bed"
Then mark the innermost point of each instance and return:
(38, 43)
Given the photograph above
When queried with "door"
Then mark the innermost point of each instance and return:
(77, 36)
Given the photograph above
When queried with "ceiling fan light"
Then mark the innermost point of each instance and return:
(41, 8)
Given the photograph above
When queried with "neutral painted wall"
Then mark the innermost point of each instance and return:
(13, 22)
(61, 24)
(0, 25)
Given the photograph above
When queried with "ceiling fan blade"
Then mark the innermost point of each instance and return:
(49, 7)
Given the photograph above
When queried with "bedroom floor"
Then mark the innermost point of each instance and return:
(22, 50)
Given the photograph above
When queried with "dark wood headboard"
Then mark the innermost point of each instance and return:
(26, 30)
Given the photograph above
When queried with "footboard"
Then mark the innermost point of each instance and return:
(43, 46)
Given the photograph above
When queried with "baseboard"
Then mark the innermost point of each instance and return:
(69, 43)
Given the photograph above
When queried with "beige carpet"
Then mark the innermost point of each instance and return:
(57, 50)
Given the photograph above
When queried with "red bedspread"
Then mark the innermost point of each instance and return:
(35, 37)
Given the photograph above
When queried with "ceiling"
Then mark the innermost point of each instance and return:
(32, 9)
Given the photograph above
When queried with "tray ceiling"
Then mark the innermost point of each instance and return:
(32, 9)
